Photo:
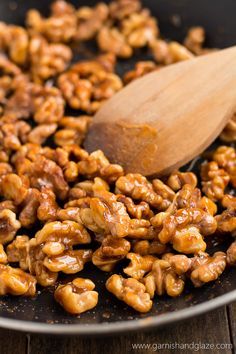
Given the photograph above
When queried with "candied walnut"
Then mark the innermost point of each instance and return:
(68, 262)
(47, 60)
(140, 29)
(112, 40)
(13, 134)
(8, 204)
(179, 262)
(87, 84)
(47, 209)
(163, 278)
(168, 53)
(141, 229)
(18, 251)
(112, 250)
(139, 265)
(74, 130)
(69, 213)
(185, 229)
(3, 256)
(195, 39)
(141, 68)
(28, 214)
(119, 9)
(229, 133)
(8, 226)
(7, 67)
(165, 192)
(104, 214)
(138, 187)
(131, 291)
(226, 222)
(15, 281)
(5, 168)
(48, 105)
(214, 180)
(97, 165)
(90, 20)
(78, 296)
(46, 173)
(60, 27)
(137, 211)
(229, 201)
(39, 134)
(207, 268)
(67, 232)
(18, 44)
(178, 179)
(225, 156)
(146, 247)
(231, 254)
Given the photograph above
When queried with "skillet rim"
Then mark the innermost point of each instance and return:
(118, 327)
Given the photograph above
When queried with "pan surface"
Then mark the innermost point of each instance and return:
(42, 314)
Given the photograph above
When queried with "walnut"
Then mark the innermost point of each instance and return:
(9, 226)
(214, 180)
(78, 296)
(46, 59)
(28, 214)
(60, 27)
(140, 29)
(131, 291)
(225, 156)
(8, 204)
(39, 134)
(137, 211)
(178, 179)
(68, 262)
(18, 251)
(229, 201)
(105, 214)
(70, 213)
(207, 268)
(231, 254)
(168, 53)
(226, 222)
(163, 278)
(15, 281)
(48, 105)
(146, 247)
(97, 165)
(90, 20)
(119, 9)
(139, 265)
(112, 250)
(229, 133)
(86, 85)
(141, 68)
(165, 192)
(73, 132)
(112, 40)
(67, 232)
(3, 256)
(46, 173)
(141, 229)
(138, 187)
(195, 39)
(47, 209)
(14, 187)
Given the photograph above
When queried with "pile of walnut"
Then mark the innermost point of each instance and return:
(83, 208)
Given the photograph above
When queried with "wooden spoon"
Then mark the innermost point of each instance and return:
(166, 118)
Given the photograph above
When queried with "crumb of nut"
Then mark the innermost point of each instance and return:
(78, 296)
(131, 291)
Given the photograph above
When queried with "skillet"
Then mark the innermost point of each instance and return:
(43, 314)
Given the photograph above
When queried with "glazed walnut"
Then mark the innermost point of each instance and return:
(178, 179)
(78, 296)
(141, 68)
(206, 268)
(112, 250)
(18, 251)
(225, 156)
(9, 226)
(15, 281)
(139, 265)
(131, 291)
(231, 254)
(226, 222)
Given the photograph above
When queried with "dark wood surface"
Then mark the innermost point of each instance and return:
(215, 328)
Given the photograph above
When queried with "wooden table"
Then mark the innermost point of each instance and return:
(216, 327)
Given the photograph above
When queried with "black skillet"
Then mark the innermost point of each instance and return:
(42, 314)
